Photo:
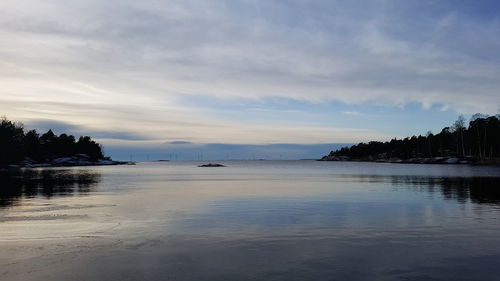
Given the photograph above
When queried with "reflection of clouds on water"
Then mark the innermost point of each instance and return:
(29, 183)
(251, 221)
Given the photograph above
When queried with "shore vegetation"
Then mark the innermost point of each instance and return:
(477, 142)
(25, 148)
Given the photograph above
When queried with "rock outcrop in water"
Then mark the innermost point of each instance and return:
(211, 165)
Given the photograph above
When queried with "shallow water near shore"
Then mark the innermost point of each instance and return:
(251, 220)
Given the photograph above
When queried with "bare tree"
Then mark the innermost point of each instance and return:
(459, 127)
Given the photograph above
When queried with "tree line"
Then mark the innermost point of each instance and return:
(16, 145)
(479, 140)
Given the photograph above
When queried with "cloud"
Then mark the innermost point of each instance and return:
(179, 142)
(125, 66)
(352, 113)
(260, 50)
(59, 127)
(107, 122)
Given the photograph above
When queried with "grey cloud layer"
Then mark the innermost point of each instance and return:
(131, 57)
(59, 127)
(352, 52)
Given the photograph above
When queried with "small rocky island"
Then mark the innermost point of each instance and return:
(478, 143)
(20, 149)
(211, 165)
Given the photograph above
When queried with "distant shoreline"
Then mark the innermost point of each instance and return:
(433, 161)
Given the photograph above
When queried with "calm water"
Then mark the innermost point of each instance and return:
(252, 220)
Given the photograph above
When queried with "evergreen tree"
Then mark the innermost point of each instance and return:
(15, 145)
(480, 140)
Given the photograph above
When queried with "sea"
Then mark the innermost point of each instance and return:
(251, 220)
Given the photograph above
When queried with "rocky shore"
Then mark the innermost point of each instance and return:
(433, 160)
(76, 160)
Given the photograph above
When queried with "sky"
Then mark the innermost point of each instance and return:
(255, 79)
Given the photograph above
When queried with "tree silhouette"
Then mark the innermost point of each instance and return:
(11, 141)
(15, 145)
(480, 140)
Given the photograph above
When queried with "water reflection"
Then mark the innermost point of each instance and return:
(174, 221)
(481, 190)
(29, 183)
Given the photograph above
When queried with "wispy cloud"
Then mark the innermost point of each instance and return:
(353, 113)
(59, 127)
(126, 65)
(179, 142)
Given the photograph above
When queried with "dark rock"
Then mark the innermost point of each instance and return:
(212, 165)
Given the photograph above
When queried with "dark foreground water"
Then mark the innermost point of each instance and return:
(252, 220)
